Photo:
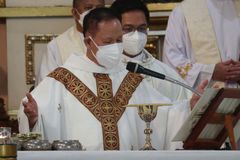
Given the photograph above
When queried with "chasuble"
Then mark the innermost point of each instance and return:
(84, 101)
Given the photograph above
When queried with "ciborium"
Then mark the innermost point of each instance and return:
(147, 113)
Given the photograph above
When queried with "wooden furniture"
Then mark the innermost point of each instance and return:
(210, 116)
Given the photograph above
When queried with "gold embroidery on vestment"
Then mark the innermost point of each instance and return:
(105, 107)
(183, 70)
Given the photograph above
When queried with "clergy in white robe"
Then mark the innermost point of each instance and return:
(168, 89)
(134, 19)
(63, 116)
(71, 41)
(84, 98)
(58, 50)
(200, 35)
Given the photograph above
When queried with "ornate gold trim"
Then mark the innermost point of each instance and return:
(183, 70)
(152, 45)
(35, 11)
(30, 40)
(105, 107)
(65, 10)
(154, 7)
(8, 151)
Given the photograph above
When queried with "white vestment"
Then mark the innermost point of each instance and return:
(168, 89)
(178, 50)
(58, 51)
(62, 116)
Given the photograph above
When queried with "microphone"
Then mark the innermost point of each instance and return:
(136, 68)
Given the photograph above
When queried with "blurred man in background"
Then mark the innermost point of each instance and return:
(71, 41)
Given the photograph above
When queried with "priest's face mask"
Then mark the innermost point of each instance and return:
(105, 45)
(134, 26)
(82, 7)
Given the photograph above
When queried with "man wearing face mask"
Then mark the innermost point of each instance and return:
(134, 17)
(71, 41)
(84, 98)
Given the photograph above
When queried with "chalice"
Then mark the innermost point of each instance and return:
(147, 113)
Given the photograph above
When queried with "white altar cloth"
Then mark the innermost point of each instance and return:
(128, 155)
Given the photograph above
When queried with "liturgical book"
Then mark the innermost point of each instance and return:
(207, 121)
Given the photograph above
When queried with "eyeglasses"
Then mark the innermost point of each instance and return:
(142, 28)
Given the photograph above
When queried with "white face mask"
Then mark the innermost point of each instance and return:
(80, 21)
(108, 55)
(134, 42)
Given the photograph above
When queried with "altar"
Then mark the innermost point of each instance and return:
(128, 155)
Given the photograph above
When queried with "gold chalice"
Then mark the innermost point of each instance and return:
(147, 113)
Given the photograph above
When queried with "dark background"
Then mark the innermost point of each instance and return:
(160, 1)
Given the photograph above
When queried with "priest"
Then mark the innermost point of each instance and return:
(85, 98)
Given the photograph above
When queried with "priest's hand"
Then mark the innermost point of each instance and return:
(31, 110)
(234, 72)
(200, 89)
(221, 71)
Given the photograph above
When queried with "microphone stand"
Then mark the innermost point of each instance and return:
(182, 84)
(136, 68)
